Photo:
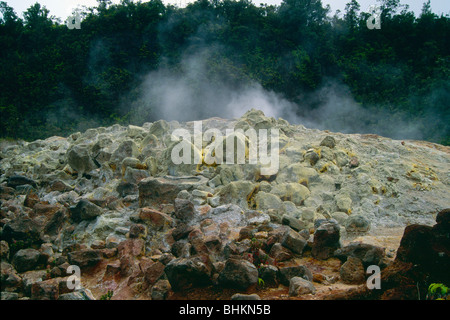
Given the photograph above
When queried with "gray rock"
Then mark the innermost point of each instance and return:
(287, 273)
(9, 296)
(293, 222)
(357, 223)
(184, 209)
(165, 189)
(126, 149)
(25, 260)
(79, 159)
(236, 192)
(299, 286)
(367, 253)
(292, 191)
(238, 273)
(85, 210)
(241, 296)
(329, 142)
(293, 241)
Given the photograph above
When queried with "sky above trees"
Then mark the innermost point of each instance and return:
(64, 8)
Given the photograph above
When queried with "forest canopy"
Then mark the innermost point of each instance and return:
(55, 80)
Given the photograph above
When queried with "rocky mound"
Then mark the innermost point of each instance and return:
(112, 202)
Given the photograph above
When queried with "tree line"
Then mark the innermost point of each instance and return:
(55, 80)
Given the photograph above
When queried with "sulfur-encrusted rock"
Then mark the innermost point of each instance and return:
(295, 192)
(79, 159)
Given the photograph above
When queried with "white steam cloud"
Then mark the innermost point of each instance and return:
(192, 92)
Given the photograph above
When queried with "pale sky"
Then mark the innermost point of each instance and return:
(63, 8)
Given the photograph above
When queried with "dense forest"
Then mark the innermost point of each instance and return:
(55, 80)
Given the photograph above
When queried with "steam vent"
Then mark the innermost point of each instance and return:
(108, 214)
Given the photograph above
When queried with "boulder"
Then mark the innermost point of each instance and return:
(280, 253)
(84, 258)
(286, 273)
(18, 180)
(329, 142)
(326, 240)
(269, 274)
(153, 272)
(295, 192)
(25, 260)
(126, 149)
(45, 290)
(9, 296)
(299, 286)
(236, 192)
(428, 247)
(165, 189)
(293, 241)
(293, 222)
(297, 172)
(31, 199)
(155, 219)
(184, 209)
(186, 273)
(367, 253)
(79, 159)
(356, 224)
(265, 201)
(24, 229)
(85, 210)
(238, 273)
(352, 271)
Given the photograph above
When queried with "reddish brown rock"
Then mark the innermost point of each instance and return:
(155, 219)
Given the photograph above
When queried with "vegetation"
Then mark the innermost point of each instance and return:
(108, 295)
(438, 291)
(56, 80)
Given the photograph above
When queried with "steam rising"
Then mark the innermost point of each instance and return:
(193, 93)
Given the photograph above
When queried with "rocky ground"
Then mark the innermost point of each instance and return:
(112, 202)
